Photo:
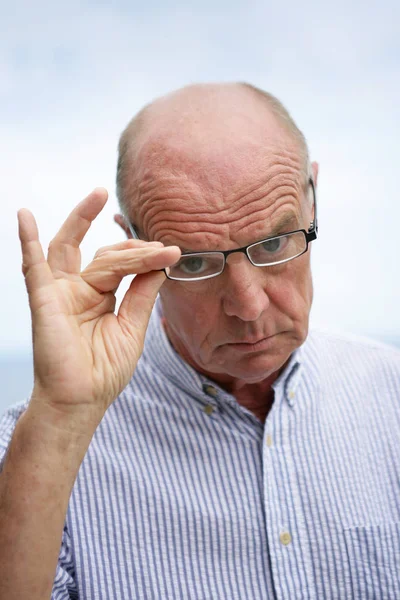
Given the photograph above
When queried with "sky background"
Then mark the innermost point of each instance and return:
(73, 74)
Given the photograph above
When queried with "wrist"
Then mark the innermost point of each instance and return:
(79, 419)
(53, 435)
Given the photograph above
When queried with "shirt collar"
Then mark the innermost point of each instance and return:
(159, 351)
(289, 379)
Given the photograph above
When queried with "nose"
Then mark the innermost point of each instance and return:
(244, 289)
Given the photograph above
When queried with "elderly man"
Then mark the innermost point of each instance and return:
(244, 458)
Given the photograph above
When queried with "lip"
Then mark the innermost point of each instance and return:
(251, 345)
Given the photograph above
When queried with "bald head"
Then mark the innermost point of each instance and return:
(203, 125)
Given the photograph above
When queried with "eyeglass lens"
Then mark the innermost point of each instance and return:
(278, 249)
(203, 265)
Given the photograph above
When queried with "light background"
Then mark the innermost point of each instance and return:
(73, 74)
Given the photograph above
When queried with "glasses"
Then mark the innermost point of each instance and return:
(276, 250)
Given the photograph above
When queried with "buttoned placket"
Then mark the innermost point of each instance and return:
(284, 516)
(215, 401)
(211, 393)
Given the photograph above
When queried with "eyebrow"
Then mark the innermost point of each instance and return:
(288, 222)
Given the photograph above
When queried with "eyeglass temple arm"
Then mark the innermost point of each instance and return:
(131, 228)
(313, 229)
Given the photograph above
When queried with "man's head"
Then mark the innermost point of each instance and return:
(217, 167)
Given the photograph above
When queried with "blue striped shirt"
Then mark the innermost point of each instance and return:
(185, 494)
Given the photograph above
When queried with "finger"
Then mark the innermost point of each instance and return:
(126, 245)
(34, 266)
(64, 254)
(106, 272)
(137, 304)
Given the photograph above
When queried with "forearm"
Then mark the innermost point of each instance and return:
(35, 485)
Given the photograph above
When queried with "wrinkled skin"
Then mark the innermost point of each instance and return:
(212, 180)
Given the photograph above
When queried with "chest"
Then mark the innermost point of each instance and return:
(207, 507)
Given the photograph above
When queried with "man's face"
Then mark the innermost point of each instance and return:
(245, 323)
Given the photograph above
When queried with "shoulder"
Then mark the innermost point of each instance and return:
(353, 355)
(350, 343)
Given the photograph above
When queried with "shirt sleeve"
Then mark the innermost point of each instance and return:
(64, 587)
(8, 421)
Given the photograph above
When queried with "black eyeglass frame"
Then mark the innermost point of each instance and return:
(309, 235)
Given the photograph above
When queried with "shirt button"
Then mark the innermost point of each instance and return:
(291, 394)
(211, 390)
(269, 441)
(285, 538)
(208, 409)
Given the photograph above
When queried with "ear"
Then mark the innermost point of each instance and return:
(315, 169)
(120, 220)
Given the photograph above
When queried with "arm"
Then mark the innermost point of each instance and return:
(35, 485)
(84, 356)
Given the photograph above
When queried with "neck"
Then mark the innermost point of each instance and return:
(256, 397)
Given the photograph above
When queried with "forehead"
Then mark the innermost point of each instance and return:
(217, 190)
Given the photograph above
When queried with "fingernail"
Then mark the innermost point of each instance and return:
(159, 244)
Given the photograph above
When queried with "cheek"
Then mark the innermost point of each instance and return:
(291, 291)
(188, 311)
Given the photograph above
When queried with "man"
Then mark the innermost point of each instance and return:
(245, 458)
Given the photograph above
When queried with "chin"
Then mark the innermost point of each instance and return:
(254, 369)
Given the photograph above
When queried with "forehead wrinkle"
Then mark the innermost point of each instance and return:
(198, 239)
(178, 220)
(178, 192)
(202, 191)
(173, 213)
(263, 225)
(168, 193)
(260, 199)
(172, 178)
(176, 217)
(279, 175)
(206, 235)
(203, 240)
(162, 224)
(189, 198)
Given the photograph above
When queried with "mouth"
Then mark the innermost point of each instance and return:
(252, 345)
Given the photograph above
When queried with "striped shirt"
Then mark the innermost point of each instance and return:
(185, 494)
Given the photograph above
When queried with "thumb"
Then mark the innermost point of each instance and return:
(135, 310)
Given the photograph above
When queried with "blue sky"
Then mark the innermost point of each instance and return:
(73, 74)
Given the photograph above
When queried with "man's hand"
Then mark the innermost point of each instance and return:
(84, 354)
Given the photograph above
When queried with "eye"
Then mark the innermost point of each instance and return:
(198, 266)
(274, 245)
(270, 251)
(192, 265)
